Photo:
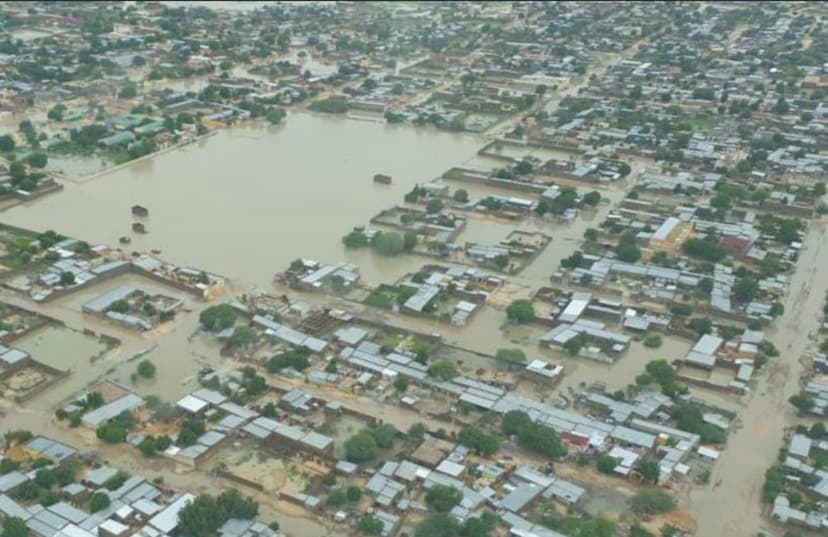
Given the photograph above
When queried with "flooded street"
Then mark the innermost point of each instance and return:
(733, 508)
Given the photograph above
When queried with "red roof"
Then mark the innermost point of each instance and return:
(734, 243)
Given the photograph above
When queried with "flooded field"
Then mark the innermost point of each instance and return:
(64, 349)
(259, 196)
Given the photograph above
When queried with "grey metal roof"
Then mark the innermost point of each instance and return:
(109, 411)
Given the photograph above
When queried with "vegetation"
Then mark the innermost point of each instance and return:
(653, 341)
(145, 369)
(443, 498)
(511, 357)
(533, 436)
(206, 513)
(652, 502)
(474, 438)
(98, 502)
(443, 370)
(217, 318)
(520, 311)
(296, 358)
(331, 105)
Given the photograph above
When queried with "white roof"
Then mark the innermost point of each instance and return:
(191, 404)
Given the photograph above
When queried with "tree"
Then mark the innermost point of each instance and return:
(442, 370)
(653, 341)
(130, 91)
(370, 525)
(417, 431)
(98, 501)
(67, 278)
(146, 369)
(606, 464)
(242, 336)
(803, 402)
(700, 325)
(627, 249)
(15, 527)
(592, 198)
(434, 206)
(774, 483)
(401, 384)
(7, 143)
(438, 525)
(649, 471)
(520, 311)
(361, 447)
(652, 502)
(501, 261)
(474, 438)
(511, 357)
(219, 317)
(462, 196)
(388, 243)
(38, 160)
(200, 518)
(353, 494)
(111, 433)
(442, 498)
(336, 499)
(275, 115)
(56, 112)
(745, 289)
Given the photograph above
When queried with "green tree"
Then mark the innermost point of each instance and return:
(606, 464)
(7, 143)
(513, 358)
(275, 115)
(803, 402)
(38, 160)
(520, 311)
(146, 369)
(370, 525)
(219, 317)
(67, 278)
(462, 196)
(388, 243)
(474, 438)
(353, 494)
(443, 370)
(443, 498)
(15, 527)
(98, 501)
(700, 325)
(361, 447)
(434, 206)
(401, 384)
(242, 336)
(649, 471)
(592, 198)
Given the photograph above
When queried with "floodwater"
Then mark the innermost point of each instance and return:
(64, 349)
(246, 202)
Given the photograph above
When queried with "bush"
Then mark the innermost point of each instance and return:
(370, 525)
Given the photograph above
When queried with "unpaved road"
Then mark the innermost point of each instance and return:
(733, 508)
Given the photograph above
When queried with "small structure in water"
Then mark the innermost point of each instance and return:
(382, 179)
(138, 210)
(138, 227)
